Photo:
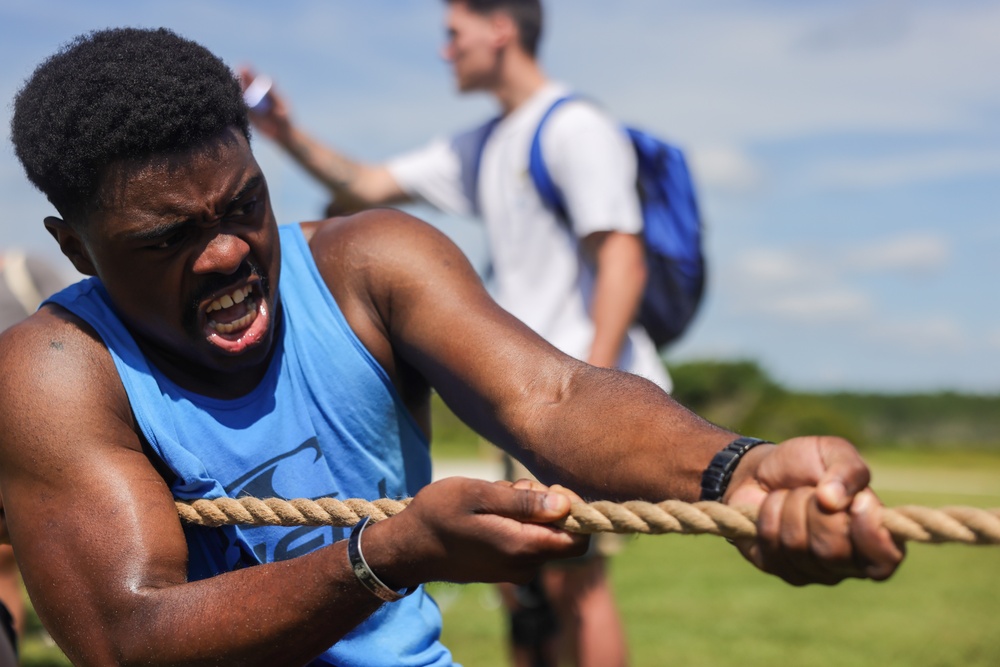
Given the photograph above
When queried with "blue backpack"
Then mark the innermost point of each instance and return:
(671, 228)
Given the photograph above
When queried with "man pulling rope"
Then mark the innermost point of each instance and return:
(213, 353)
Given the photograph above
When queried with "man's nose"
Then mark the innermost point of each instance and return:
(224, 253)
(448, 51)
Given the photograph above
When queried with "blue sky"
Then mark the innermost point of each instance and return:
(847, 152)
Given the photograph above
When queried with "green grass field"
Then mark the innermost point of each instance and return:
(693, 601)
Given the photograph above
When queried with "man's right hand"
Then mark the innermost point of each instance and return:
(465, 530)
(274, 120)
(355, 185)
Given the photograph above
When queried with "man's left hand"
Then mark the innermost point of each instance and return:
(818, 521)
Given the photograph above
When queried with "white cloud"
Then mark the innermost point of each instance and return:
(821, 285)
(841, 305)
(725, 168)
(874, 173)
(928, 334)
(777, 269)
(772, 267)
(792, 284)
(914, 252)
(872, 25)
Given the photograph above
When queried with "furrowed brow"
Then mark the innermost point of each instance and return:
(156, 231)
(250, 185)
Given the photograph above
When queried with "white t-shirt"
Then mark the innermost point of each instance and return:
(540, 275)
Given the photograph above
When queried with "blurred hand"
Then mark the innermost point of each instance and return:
(466, 530)
(818, 522)
(273, 120)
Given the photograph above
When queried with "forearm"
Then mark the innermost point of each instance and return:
(621, 277)
(458, 530)
(614, 307)
(355, 184)
(287, 612)
(114, 589)
(334, 170)
(279, 613)
(641, 445)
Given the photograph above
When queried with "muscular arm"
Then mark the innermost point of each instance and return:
(413, 300)
(104, 558)
(569, 421)
(621, 276)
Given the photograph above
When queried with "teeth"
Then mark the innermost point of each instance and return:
(235, 325)
(228, 300)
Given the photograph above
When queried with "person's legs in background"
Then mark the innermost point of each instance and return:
(591, 630)
(567, 615)
(12, 609)
(533, 629)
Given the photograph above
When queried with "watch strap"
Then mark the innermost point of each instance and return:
(715, 479)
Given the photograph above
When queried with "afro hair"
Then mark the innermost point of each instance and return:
(123, 93)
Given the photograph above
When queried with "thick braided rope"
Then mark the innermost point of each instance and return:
(968, 525)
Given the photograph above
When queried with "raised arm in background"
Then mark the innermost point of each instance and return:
(354, 184)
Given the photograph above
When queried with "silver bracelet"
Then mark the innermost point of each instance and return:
(364, 573)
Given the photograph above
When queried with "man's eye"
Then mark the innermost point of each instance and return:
(246, 208)
(170, 241)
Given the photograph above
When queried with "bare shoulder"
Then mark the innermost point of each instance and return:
(52, 345)
(380, 254)
(400, 284)
(381, 235)
(56, 371)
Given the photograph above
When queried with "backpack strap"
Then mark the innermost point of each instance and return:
(546, 187)
(483, 134)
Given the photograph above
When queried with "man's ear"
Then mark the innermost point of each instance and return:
(71, 245)
(504, 29)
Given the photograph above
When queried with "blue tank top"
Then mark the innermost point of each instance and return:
(324, 421)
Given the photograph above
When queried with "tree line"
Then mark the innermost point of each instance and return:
(741, 396)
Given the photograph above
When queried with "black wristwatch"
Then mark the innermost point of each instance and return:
(715, 479)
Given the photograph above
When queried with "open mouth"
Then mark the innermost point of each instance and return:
(228, 309)
(237, 318)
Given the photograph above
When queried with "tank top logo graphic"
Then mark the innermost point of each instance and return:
(277, 478)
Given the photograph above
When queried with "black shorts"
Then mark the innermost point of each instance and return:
(7, 624)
